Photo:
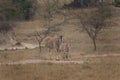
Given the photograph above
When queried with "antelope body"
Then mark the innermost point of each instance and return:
(52, 42)
(64, 46)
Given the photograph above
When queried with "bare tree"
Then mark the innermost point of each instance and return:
(51, 8)
(41, 35)
(93, 22)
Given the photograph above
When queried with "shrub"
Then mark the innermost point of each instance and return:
(18, 44)
(82, 3)
(6, 26)
(17, 9)
(117, 3)
(11, 10)
(25, 8)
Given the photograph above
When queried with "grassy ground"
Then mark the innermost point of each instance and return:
(100, 69)
(107, 42)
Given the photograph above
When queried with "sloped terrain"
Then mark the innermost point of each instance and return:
(103, 64)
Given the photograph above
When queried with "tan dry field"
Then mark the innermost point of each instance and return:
(107, 42)
(107, 68)
(99, 68)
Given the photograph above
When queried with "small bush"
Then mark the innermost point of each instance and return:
(18, 44)
(6, 26)
(25, 8)
(82, 3)
(17, 9)
(117, 3)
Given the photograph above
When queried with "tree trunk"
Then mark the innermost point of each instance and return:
(40, 47)
(94, 43)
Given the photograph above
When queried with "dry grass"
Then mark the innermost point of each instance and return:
(106, 69)
(101, 68)
(107, 42)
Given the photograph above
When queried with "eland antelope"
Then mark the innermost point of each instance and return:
(52, 42)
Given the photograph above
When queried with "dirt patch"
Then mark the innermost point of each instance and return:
(19, 46)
